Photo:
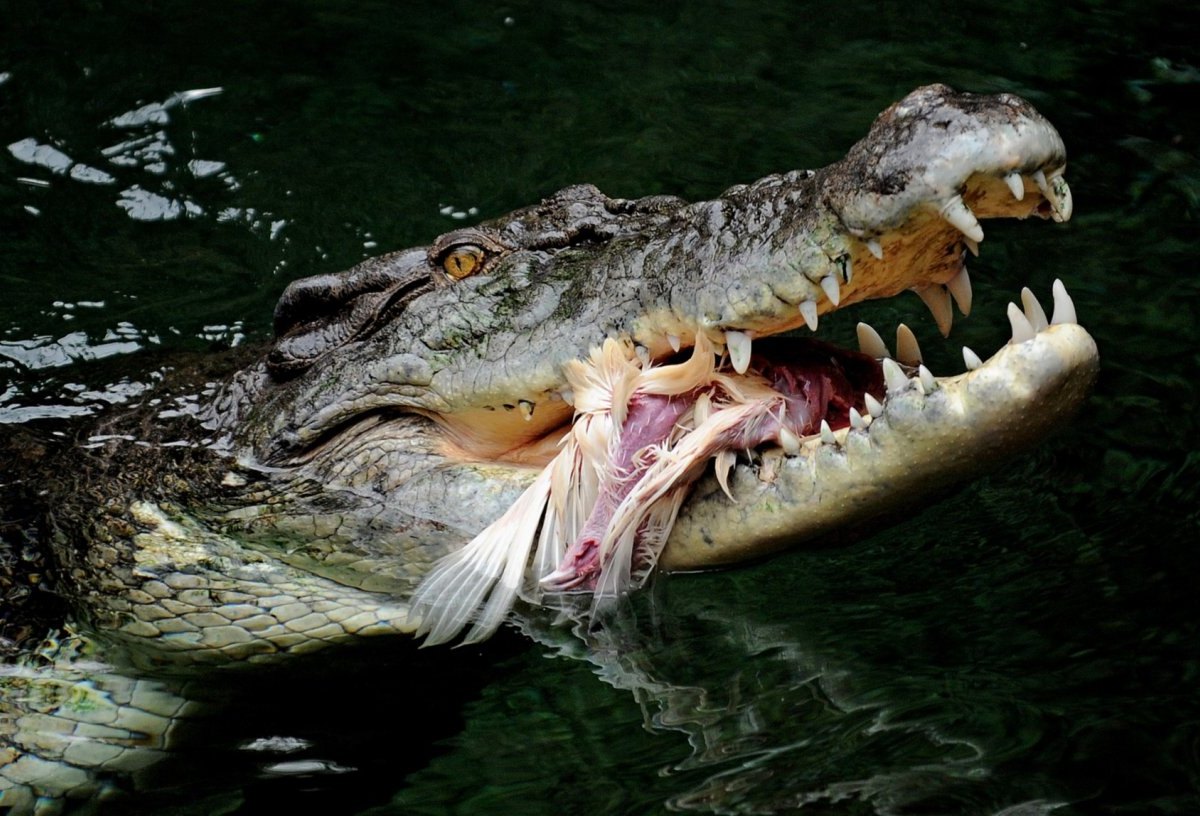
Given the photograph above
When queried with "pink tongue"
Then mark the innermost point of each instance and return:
(809, 389)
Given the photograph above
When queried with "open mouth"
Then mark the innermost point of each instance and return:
(648, 470)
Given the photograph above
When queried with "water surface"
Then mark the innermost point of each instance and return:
(1024, 646)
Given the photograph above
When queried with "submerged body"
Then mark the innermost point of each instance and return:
(533, 404)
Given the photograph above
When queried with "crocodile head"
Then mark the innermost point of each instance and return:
(424, 399)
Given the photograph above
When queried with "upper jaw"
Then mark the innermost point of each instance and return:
(924, 150)
(895, 214)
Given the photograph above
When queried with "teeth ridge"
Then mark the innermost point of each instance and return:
(1064, 201)
(960, 289)
(827, 434)
(937, 299)
(1064, 307)
(874, 406)
(789, 441)
(870, 343)
(832, 291)
(856, 420)
(893, 376)
(808, 310)
(1033, 310)
(1022, 329)
(959, 215)
(971, 359)
(1016, 185)
(927, 379)
(908, 350)
(739, 346)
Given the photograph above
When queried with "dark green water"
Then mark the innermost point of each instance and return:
(1027, 645)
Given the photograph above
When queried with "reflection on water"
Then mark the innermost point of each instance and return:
(1024, 646)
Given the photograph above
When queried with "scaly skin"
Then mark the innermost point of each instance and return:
(402, 410)
(407, 403)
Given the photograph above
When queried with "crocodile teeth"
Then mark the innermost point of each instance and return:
(938, 301)
(893, 376)
(971, 359)
(959, 215)
(1033, 310)
(789, 442)
(1057, 193)
(827, 434)
(1016, 184)
(908, 350)
(808, 310)
(832, 290)
(869, 341)
(739, 350)
(1062, 194)
(927, 379)
(722, 464)
(526, 409)
(643, 354)
(673, 339)
(874, 406)
(960, 289)
(856, 420)
(1022, 329)
(973, 246)
(874, 247)
(1064, 307)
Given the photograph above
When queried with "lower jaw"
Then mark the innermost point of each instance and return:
(922, 440)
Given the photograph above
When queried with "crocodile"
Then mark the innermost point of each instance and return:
(553, 404)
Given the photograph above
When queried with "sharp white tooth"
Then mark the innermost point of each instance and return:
(971, 359)
(1064, 203)
(1039, 178)
(789, 442)
(1033, 310)
(1022, 329)
(724, 461)
(856, 420)
(973, 246)
(927, 379)
(960, 289)
(643, 354)
(874, 406)
(739, 350)
(961, 218)
(870, 343)
(1016, 184)
(1057, 194)
(826, 434)
(938, 300)
(875, 248)
(832, 290)
(526, 409)
(908, 350)
(673, 339)
(896, 379)
(1064, 307)
(808, 310)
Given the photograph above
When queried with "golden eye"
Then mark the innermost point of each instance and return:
(463, 260)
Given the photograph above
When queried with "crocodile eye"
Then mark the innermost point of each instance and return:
(463, 260)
